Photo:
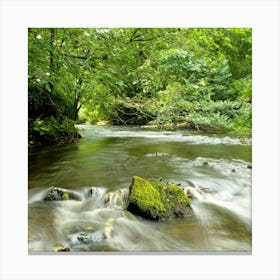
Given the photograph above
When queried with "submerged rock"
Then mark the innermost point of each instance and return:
(94, 192)
(87, 237)
(108, 228)
(60, 194)
(157, 154)
(157, 200)
(60, 248)
(190, 194)
(117, 199)
(83, 237)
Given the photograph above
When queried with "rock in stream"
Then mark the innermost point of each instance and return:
(157, 200)
(56, 194)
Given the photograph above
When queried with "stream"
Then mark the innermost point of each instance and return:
(99, 168)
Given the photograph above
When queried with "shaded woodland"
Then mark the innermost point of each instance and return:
(171, 78)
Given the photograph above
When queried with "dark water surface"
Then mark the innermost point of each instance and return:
(213, 167)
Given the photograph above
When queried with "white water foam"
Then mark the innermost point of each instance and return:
(166, 136)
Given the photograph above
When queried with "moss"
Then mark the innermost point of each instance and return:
(176, 200)
(60, 248)
(156, 200)
(65, 196)
(146, 199)
(190, 194)
(178, 194)
(56, 194)
(89, 228)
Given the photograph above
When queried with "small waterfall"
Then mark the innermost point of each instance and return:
(114, 199)
(96, 196)
(117, 199)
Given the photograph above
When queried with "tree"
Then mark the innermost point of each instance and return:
(196, 77)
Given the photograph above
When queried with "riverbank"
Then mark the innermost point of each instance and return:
(49, 131)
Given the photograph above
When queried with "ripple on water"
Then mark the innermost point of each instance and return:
(218, 179)
(166, 135)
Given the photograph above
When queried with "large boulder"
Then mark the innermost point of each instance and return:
(157, 200)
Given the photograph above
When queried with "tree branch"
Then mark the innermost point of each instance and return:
(133, 36)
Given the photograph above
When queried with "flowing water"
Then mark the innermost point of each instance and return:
(99, 169)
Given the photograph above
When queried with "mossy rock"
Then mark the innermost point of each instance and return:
(60, 248)
(89, 228)
(157, 200)
(89, 237)
(56, 194)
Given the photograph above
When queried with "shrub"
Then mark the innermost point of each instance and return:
(51, 131)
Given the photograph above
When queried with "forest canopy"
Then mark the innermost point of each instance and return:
(193, 78)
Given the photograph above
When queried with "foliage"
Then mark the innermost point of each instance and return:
(51, 131)
(199, 78)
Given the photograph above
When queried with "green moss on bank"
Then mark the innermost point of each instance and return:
(50, 131)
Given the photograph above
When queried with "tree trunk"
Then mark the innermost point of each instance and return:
(52, 66)
(77, 106)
